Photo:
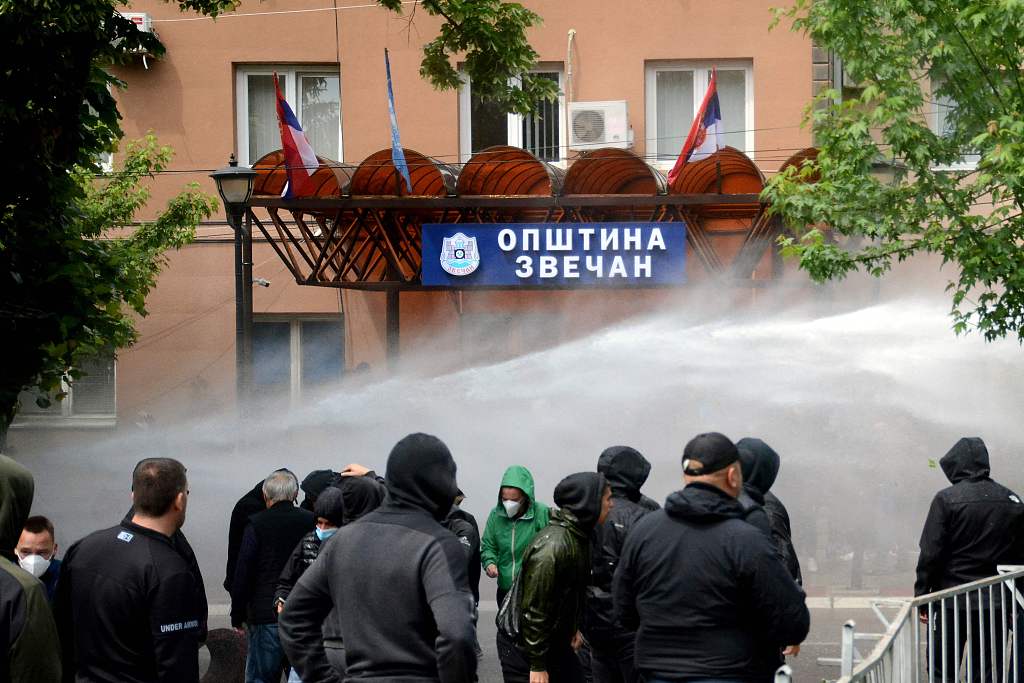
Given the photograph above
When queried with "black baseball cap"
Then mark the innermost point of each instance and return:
(713, 452)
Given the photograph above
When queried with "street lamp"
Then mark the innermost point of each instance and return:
(234, 184)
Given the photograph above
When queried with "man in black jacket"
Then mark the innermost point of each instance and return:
(266, 545)
(972, 526)
(556, 571)
(129, 605)
(706, 591)
(611, 646)
(247, 506)
(760, 464)
(396, 580)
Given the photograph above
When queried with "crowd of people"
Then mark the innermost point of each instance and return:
(377, 579)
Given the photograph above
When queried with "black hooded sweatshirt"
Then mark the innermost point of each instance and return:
(626, 470)
(398, 580)
(972, 526)
(760, 465)
(706, 592)
(247, 506)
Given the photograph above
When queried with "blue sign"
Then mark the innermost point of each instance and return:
(561, 255)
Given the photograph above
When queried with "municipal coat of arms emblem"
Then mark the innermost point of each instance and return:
(459, 255)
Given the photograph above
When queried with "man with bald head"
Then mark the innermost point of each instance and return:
(706, 592)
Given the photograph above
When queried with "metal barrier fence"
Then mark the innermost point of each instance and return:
(969, 633)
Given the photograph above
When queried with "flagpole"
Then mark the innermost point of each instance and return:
(718, 157)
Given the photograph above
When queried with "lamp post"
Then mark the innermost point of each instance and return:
(234, 184)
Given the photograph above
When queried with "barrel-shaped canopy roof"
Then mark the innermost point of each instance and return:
(330, 180)
(377, 175)
(797, 160)
(613, 171)
(739, 175)
(509, 171)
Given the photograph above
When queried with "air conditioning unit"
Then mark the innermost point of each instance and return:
(142, 20)
(598, 124)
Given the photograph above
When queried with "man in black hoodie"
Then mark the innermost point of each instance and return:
(972, 526)
(397, 580)
(555, 574)
(760, 464)
(611, 646)
(706, 591)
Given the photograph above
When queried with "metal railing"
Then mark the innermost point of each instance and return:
(968, 633)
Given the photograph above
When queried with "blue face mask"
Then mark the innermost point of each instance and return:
(324, 534)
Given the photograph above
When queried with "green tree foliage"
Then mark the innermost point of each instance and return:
(489, 36)
(909, 60)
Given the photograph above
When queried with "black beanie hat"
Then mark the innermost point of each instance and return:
(330, 506)
(315, 482)
(712, 450)
(581, 495)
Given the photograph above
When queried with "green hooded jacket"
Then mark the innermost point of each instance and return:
(505, 540)
(32, 651)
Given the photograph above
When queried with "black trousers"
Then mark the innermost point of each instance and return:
(988, 663)
(563, 665)
(611, 659)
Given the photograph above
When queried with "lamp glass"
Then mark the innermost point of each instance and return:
(235, 189)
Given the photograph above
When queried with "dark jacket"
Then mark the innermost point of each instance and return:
(266, 546)
(330, 505)
(972, 526)
(761, 465)
(50, 578)
(706, 591)
(556, 570)
(626, 471)
(184, 548)
(29, 649)
(465, 528)
(397, 581)
(247, 506)
(129, 608)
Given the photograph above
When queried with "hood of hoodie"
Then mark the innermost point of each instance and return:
(703, 503)
(361, 495)
(518, 477)
(966, 460)
(759, 462)
(16, 491)
(421, 474)
(580, 494)
(625, 469)
(330, 505)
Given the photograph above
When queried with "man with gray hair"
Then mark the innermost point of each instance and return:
(267, 542)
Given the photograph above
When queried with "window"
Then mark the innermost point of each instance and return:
(314, 94)
(483, 125)
(294, 356)
(674, 91)
(91, 399)
(943, 125)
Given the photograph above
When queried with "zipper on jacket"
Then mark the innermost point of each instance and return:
(514, 522)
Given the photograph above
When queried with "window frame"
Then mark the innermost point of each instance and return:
(290, 92)
(966, 163)
(514, 121)
(295, 393)
(699, 67)
(67, 418)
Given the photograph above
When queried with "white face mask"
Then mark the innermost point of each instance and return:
(36, 565)
(511, 507)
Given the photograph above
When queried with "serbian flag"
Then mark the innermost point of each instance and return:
(703, 140)
(299, 160)
(397, 153)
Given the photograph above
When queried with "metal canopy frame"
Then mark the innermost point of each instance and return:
(373, 242)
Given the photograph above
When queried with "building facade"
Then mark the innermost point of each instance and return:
(212, 95)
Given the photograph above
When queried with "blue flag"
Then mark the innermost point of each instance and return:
(397, 154)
